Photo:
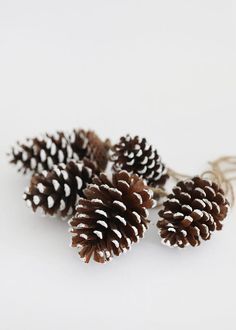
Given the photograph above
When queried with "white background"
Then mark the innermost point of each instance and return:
(163, 69)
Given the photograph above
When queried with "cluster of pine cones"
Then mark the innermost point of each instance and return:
(108, 215)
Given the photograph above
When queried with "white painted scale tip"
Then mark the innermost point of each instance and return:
(137, 216)
(50, 163)
(124, 183)
(60, 156)
(89, 171)
(45, 173)
(79, 182)
(139, 153)
(98, 234)
(62, 205)
(130, 163)
(29, 203)
(144, 228)
(84, 236)
(25, 156)
(56, 184)
(33, 163)
(101, 212)
(139, 197)
(135, 230)
(154, 204)
(116, 243)
(36, 200)
(80, 166)
(70, 211)
(67, 190)
(43, 155)
(81, 225)
(50, 202)
(121, 219)
(53, 149)
(120, 204)
(102, 223)
(117, 232)
(129, 242)
(65, 175)
(143, 171)
(69, 151)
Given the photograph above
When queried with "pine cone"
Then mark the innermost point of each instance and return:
(135, 155)
(112, 217)
(42, 153)
(57, 192)
(192, 212)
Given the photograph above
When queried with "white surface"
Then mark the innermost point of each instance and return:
(163, 69)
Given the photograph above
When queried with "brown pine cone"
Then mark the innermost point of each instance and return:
(42, 153)
(192, 212)
(112, 217)
(135, 155)
(57, 192)
(97, 150)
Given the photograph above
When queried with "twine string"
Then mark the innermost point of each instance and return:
(220, 170)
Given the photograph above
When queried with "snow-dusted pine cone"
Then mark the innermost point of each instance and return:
(135, 155)
(112, 217)
(192, 212)
(41, 153)
(57, 192)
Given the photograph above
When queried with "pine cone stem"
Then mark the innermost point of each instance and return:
(220, 170)
(158, 192)
(108, 145)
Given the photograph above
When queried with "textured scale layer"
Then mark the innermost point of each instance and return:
(194, 210)
(42, 153)
(111, 217)
(57, 192)
(135, 155)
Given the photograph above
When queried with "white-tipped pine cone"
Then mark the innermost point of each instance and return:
(42, 153)
(135, 155)
(194, 210)
(57, 192)
(111, 217)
